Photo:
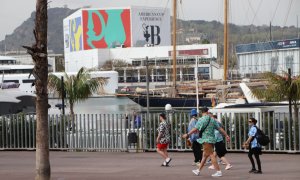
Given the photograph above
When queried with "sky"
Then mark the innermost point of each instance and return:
(242, 12)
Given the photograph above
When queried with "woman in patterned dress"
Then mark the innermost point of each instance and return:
(163, 139)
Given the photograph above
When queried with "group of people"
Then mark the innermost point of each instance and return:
(207, 133)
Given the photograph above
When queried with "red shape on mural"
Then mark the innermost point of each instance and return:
(98, 27)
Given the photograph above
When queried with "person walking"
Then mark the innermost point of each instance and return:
(163, 139)
(220, 147)
(196, 147)
(254, 147)
(207, 125)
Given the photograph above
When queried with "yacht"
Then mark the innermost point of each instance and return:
(13, 72)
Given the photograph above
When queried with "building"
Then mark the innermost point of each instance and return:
(274, 56)
(95, 36)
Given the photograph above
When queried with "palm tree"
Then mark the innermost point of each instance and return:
(38, 52)
(77, 87)
(281, 88)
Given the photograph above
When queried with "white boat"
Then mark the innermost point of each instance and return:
(16, 73)
(13, 101)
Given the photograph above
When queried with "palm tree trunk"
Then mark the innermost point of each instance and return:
(72, 109)
(39, 55)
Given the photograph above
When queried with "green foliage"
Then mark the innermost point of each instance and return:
(205, 41)
(77, 87)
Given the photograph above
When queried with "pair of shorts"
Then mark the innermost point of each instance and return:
(162, 146)
(208, 148)
(220, 149)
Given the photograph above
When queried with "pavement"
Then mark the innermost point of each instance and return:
(20, 165)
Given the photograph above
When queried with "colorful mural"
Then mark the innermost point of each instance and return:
(106, 28)
(75, 34)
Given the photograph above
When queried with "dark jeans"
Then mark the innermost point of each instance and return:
(197, 150)
(256, 152)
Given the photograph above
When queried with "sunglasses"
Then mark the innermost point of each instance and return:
(250, 121)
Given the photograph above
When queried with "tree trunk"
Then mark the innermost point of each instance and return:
(39, 55)
(71, 109)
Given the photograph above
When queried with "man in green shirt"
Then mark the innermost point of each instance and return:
(207, 125)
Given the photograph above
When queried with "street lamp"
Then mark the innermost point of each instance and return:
(169, 110)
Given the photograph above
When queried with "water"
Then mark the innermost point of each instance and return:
(101, 105)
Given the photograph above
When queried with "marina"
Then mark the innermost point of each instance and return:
(102, 87)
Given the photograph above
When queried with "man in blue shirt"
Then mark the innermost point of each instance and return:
(196, 147)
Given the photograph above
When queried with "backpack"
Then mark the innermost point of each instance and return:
(262, 139)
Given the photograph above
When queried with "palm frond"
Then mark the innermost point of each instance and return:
(77, 87)
(278, 88)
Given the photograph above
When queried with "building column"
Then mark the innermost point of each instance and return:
(125, 75)
(139, 75)
(181, 75)
(152, 75)
(167, 77)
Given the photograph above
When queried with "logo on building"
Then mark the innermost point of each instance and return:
(152, 34)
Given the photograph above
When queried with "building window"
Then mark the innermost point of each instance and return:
(28, 80)
(14, 81)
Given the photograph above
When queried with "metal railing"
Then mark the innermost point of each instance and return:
(119, 132)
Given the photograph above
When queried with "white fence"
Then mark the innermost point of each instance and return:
(117, 132)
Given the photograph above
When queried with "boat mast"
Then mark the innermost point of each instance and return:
(174, 46)
(225, 39)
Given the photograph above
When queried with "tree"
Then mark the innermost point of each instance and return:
(114, 64)
(281, 88)
(205, 41)
(77, 87)
(38, 51)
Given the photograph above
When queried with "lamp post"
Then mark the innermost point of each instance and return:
(169, 110)
(197, 86)
(63, 95)
(290, 105)
(147, 84)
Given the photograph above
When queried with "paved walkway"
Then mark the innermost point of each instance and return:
(141, 166)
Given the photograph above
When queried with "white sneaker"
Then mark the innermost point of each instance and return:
(196, 172)
(228, 167)
(211, 167)
(164, 164)
(217, 174)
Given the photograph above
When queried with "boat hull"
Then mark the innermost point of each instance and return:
(182, 102)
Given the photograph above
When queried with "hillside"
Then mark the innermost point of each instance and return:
(189, 32)
(23, 35)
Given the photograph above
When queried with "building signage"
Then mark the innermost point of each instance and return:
(150, 27)
(287, 44)
(245, 48)
(190, 52)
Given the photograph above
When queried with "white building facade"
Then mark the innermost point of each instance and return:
(95, 36)
(274, 56)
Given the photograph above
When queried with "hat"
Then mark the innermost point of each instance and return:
(194, 112)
